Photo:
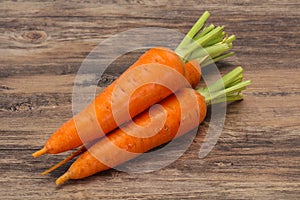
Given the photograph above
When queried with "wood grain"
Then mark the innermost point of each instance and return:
(42, 45)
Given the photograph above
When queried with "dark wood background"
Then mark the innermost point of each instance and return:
(42, 45)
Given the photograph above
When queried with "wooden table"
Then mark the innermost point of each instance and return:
(43, 44)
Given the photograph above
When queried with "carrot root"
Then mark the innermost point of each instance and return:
(62, 179)
(40, 152)
(70, 157)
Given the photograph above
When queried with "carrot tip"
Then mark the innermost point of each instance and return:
(40, 152)
(46, 172)
(62, 179)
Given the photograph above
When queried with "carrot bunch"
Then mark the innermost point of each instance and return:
(201, 46)
(179, 70)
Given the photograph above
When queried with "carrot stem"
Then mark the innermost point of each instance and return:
(225, 89)
(217, 39)
(216, 59)
(40, 152)
(232, 98)
(215, 33)
(194, 30)
(204, 31)
(201, 41)
(213, 51)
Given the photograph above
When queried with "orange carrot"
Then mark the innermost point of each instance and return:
(87, 164)
(99, 112)
(130, 146)
(192, 67)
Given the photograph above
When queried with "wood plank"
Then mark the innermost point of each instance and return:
(42, 45)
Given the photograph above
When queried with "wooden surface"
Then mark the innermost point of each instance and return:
(42, 45)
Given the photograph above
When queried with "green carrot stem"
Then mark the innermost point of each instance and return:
(229, 91)
(225, 89)
(204, 32)
(216, 59)
(202, 41)
(236, 80)
(225, 81)
(210, 36)
(194, 30)
(229, 98)
(198, 25)
(213, 51)
(216, 40)
(230, 39)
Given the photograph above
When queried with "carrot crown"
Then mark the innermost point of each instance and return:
(226, 89)
(206, 44)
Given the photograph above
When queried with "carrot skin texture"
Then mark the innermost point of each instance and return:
(87, 164)
(99, 112)
(193, 72)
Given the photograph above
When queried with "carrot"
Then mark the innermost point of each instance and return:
(104, 154)
(99, 112)
(190, 69)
